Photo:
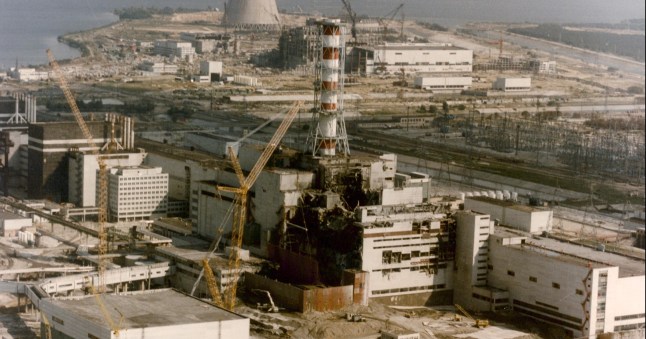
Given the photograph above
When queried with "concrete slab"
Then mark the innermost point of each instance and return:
(493, 332)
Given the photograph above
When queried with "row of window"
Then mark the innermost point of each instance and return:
(406, 245)
(535, 280)
(395, 239)
(409, 289)
(140, 178)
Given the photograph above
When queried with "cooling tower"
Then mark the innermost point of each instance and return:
(255, 14)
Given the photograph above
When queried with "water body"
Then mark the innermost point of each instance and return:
(29, 27)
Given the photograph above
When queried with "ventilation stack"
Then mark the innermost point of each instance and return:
(252, 14)
(330, 133)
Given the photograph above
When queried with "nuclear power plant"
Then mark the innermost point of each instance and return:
(262, 172)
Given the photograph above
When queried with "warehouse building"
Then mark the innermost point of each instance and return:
(162, 313)
(443, 83)
(411, 58)
(507, 84)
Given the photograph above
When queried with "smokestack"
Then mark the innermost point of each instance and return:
(330, 130)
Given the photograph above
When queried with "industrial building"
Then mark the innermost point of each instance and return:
(529, 219)
(509, 84)
(50, 146)
(11, 224)
(208, 43)
(172, 48)
(584, 290)
(17, 111)
(158, 67)
(440, 83)
(410, 58)
(212, 69)
(28, 74)
(162, 313)
(252, 14)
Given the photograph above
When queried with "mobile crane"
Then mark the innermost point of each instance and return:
(479, 323)
(227, 298)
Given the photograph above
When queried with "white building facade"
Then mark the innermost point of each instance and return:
(392, 58)
(443, 83)
(403, 252)
(174, 48)
(512, 84)
(137, 193)
(526, 218)
(83, 170)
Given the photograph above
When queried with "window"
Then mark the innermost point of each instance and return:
(512, 273)
(533, 279)
(556, 285)
(579, 292)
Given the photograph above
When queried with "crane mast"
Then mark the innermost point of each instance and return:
(228, 298)
(103, 180)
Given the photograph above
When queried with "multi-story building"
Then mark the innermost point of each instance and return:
(584, 290)
(174, 48)
(137, 193)
(49, 145)
(411, 58)
(407, 253)
(83, 170)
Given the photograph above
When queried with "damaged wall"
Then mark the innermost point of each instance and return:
(302, 300)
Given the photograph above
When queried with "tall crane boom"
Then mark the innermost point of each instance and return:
(103, 180)
(228, 298)
(353, 19)
(385, 20)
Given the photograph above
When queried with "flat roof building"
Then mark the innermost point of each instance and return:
(507, 84)
(162, 313)
(137, 193)
(393, 58)
(11, 223)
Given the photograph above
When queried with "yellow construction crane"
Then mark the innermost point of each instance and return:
(103, 180)
(228, 298)
(479, 323)
(103, 197)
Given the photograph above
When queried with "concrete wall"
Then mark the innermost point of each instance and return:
(301, 300)
(402, 196)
